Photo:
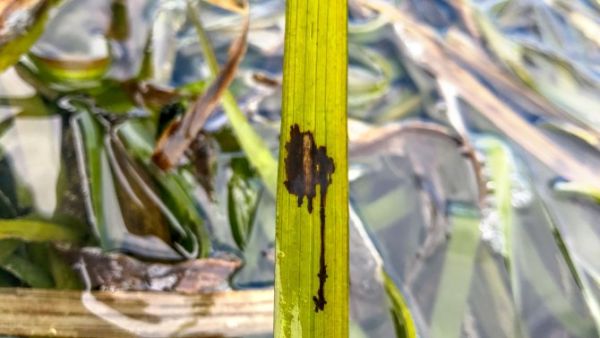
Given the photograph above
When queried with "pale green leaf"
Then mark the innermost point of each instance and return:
(454, 286)
(252, 144)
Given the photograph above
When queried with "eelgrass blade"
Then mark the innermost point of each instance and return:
(45, 258)
(27, 272)
(454, 286)
(366, 263)
(577, 189)
(311, 274)
(491, 299)
(403, 321)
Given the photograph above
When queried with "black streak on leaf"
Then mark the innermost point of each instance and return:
(306, 167)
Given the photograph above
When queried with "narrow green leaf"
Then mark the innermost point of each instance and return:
(64, 276)
(47, 260)
(27, 272)
(403, 321)
(578, 189)
(37, 231)
(311, 277)
(544, 285)
(499, 221)
(500, 165)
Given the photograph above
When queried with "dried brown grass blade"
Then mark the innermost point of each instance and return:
(178, 136)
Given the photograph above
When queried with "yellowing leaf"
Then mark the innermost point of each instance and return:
(311, 277)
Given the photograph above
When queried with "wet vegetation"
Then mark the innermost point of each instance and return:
(139, 147)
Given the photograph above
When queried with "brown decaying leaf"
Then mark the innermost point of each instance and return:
(178, 136)
(117, 272)
(146, 94)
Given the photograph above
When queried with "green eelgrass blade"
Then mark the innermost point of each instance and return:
(454, 286)
(37, 231)
(403, 321)
(500, 165)
(578, 189)
(45, 258)
(27, 271)
(311, 277)
(21, 268)
(491, 298)
(559, 305)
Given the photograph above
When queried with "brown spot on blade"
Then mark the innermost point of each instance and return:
(307, 166)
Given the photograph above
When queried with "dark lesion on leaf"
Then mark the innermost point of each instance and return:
(307, 166)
